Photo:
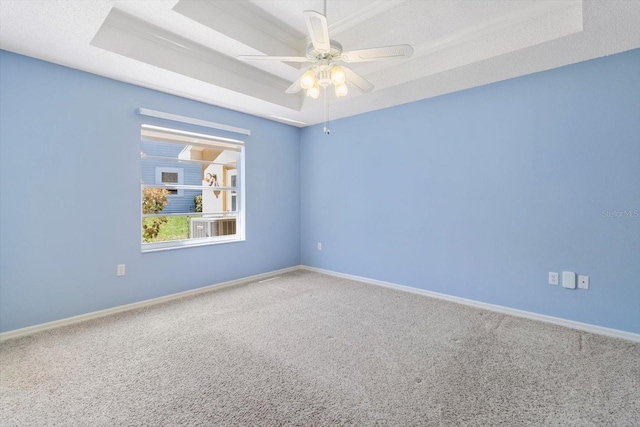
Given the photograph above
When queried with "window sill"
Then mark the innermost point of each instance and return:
(168, 246)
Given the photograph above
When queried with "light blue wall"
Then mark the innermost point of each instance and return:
(477, 194)
(61, 236)
(481, 193)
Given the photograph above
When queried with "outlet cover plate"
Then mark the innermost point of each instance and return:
(568, 279)
(553, 278)
(583, 282)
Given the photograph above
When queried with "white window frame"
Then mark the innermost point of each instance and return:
(162, 134)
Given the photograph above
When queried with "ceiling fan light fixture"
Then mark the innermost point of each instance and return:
(308, 80)
(337, 75)
(314, 91)
(341, 90)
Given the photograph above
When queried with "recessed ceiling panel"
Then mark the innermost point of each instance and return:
(189, 47)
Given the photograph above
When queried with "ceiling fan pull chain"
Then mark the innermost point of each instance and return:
(326, 130)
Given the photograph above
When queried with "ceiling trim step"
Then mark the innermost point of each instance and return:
(246, 23)
(134, 38)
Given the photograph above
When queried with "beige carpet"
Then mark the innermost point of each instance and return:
(310, 349)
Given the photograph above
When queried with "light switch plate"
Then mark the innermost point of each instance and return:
(568, 279)
(583, 282)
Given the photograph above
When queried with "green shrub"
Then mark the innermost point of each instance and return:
(198, 202)
(154, 200)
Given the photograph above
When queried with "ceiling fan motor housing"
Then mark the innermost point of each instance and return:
(332, 54)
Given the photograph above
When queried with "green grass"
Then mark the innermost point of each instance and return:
(176, 228)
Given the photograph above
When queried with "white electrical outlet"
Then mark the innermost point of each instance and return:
(553, 278)
(319, 246)
(569, 279)
(583, 282)
(120, 270)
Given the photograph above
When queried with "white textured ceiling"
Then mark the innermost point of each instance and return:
(189, 47)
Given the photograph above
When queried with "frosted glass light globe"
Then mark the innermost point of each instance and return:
(308, 79)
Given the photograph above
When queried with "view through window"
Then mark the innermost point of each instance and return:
(192, 188)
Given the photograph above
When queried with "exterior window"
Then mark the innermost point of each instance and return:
(166, 175)
(192, 189)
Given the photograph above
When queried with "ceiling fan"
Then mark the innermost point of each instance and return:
(325, 55)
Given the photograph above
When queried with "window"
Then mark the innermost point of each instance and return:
(192, 188)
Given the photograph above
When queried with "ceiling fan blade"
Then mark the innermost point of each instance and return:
(357, 80)
(378, 53)
(272, 58)
(318, 30)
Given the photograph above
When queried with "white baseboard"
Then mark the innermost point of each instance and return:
(616, 333)
(630, 336)
(146, 303)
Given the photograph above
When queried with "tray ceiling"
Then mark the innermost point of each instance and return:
(189, 47)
